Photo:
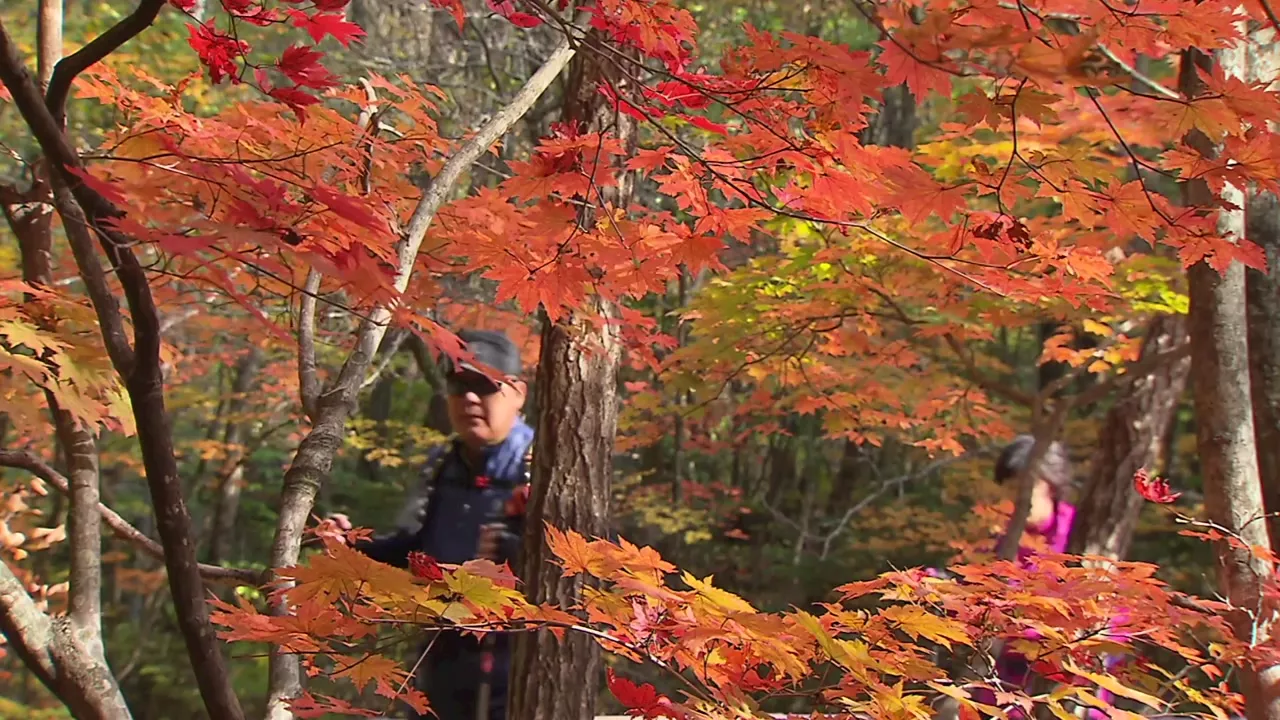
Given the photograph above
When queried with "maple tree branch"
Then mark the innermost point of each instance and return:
(1145, 366)
(308, 385)
(1271, 14)
(314, 457)
(388, 355)
(120, 527)
(70, 67)
(105, 305)
(489, 133)
(1143, 79)
(975, 374)
(828, 538)
(26, 627)
(971, 372)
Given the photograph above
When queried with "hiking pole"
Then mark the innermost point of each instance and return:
(502, 511)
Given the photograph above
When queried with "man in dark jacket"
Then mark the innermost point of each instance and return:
(456, 514)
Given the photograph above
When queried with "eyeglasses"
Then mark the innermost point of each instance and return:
(471, 382)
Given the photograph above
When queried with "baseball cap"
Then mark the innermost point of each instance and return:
(491, 348)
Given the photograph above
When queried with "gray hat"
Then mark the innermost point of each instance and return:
(489, 347)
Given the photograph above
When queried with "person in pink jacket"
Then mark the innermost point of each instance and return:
(1049, 521)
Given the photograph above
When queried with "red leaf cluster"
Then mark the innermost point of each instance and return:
(1153, 487)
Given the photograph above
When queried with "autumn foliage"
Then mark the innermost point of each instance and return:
(1048, 185)
(873, 650)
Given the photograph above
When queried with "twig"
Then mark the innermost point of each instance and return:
(389, 354)
(119, 526)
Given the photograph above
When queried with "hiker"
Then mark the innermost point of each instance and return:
(1049, 521)
(456, 514)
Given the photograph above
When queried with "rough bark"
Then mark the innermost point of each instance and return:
(51, 649)
(1132, 437)
(894, 125)
(231, 474)
(573, 451)
(1262, 291)
(331, 408)
(1224, 412)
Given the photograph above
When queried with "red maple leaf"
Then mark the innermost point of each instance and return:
(301, 64)
(422, 565)
(293, 97)
(1153, 488)
(348, 207)
(507, 9)
(321, 24)
(642, 700)
(218, 52)
(316, 706)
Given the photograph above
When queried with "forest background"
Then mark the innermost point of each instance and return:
(811, 369)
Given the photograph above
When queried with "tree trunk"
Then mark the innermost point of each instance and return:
(85, 683)
(1224, 413)
(894, 125)
(573, 450)
(1262, 291)
(1132, 438)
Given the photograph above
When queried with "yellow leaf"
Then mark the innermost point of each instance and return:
(1106, 682)
(372, 668)
(719, 598)
(916, 622)
(1096, 328)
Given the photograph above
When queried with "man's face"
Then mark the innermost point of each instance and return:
(482, 412)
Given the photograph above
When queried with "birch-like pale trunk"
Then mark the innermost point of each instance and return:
(1262, 292)
(1224, 409)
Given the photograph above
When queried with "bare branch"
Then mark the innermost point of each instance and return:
(120, 527)
(388, 354)
(26, 628)
(104, 301)
(1142, 367)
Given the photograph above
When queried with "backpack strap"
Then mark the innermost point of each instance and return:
(414, 514)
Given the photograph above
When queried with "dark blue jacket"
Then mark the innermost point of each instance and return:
(447, 508)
